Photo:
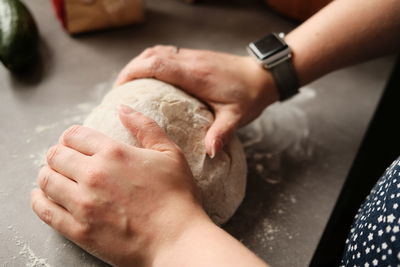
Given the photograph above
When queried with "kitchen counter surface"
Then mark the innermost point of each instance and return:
(298, 152)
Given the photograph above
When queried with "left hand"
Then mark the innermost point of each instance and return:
(121, 203)
(236, 88)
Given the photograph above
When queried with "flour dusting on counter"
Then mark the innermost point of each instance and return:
(70, 116)
(25, 251)
(33, 260)
(281, 130)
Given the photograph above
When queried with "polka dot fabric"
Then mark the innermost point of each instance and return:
(374, 239)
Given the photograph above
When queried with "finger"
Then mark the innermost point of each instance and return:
(168, 51)
(146, 130)
(84, 140)
(161, 68)
(52, 214)
(220, 132)
(58, 187)
(67, 161)
(158, 51)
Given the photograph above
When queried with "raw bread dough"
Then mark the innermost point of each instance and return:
(222, 180)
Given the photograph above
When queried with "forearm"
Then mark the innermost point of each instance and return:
(205, 244)
(344, 33)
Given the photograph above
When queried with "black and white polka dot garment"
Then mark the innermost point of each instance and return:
(374, 239)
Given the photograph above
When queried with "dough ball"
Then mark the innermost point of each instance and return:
(222, 180)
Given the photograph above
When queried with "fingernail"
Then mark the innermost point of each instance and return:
(125, 109)
(216, 147)
(212, 155)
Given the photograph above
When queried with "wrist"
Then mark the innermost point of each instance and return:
(172, 250)
(202, 243)
(264, 86)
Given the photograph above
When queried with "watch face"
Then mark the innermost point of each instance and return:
(269, 45)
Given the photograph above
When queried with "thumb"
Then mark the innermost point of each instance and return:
(220, 132)
(146, 130)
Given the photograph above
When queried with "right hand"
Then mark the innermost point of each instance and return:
(107, 197)
(235, 87)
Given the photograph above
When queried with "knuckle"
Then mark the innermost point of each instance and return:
(43, 178)
(116, 152)
(81, 232)
(46, 215)
(171, 48)
(86, 206)
(41, 209)
(149, 123)
(52, 154)
(87, 210)
(34, 202)
(156, 64)
(95, 177)
(148, 52)
(71, 132)
(158, 47)
(153, 51)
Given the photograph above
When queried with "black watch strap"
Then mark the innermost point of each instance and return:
(286, 79)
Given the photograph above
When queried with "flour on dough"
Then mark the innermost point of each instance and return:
(222, 180)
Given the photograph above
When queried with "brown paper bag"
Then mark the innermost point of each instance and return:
(87, 15)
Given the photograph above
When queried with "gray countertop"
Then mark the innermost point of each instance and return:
(298, 152)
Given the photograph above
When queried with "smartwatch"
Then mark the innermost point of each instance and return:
(275, 55)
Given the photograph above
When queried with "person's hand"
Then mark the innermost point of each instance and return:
(235, 87)
(119, 202)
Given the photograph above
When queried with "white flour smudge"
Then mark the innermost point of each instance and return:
(281, 129)
(42, 128)
(33, 260)
(266, 233)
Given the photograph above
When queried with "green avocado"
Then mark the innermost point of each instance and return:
(19, 36)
